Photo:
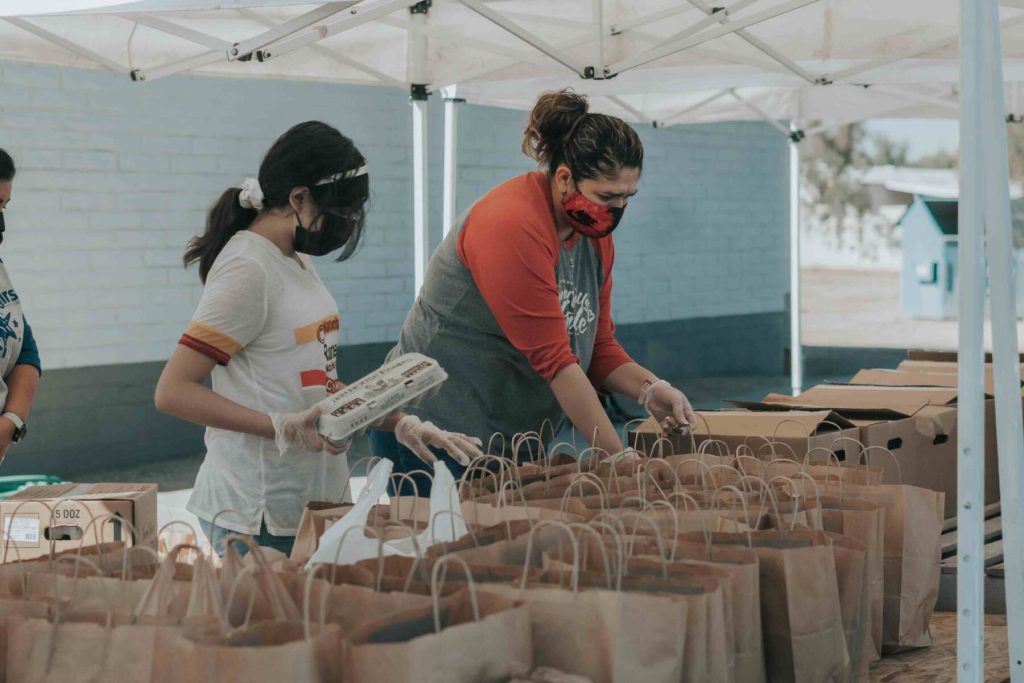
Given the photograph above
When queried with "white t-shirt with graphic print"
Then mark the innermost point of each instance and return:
(273, 328)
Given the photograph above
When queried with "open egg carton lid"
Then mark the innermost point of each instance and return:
(403, 382)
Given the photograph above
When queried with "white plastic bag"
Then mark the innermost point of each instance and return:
(445, 523)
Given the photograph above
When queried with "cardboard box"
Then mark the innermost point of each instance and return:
(918, 424)
(62, 517)
(916, 378)
(943, 356)
(738, 427)
(945, 368)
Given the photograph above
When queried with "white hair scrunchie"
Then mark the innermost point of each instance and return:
(251, 196)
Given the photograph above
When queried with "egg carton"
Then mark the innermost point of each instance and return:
(401, 383)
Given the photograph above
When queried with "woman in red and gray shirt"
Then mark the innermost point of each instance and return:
(516, 305)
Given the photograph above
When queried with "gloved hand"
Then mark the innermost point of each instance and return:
(298, 430)
(418, 436)
(668, 406)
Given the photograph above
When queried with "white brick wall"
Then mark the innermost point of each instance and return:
(115, 176)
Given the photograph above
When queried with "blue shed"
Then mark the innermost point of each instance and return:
(929, 243)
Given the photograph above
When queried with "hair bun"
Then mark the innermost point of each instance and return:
(553, 118)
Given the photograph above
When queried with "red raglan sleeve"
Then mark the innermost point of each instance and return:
(608, 353)
(512, 260)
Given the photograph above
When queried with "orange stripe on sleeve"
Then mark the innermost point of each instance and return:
(213, 338)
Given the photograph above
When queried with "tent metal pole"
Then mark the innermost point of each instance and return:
(179, 66)
(363, 13)
(788, 132)
(331, 54)
(451, 157)
(624, 26)
(1000, 252)
(757, 43)
(287, 29)
(626, 106)
(796, 359)
(417, 58)
(421, 229)
(522, 34)
(712, 17)
(170, 28)
(970, 578)
(598, 20)
(672, 47)
(68, 45)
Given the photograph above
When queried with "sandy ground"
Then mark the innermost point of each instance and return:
(862, 308)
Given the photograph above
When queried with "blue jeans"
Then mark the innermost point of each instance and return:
(385, 445)
(217, 534)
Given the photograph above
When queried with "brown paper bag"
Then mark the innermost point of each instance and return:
(254, 593)
(466, 637)
(800, 609)
(9, 608)
(864, 521)
(604, 635)
(264, 651)
(742, 566)
(708, 650)
(854, 603)
(913, 551)
(73, 652)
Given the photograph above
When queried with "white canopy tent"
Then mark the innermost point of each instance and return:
(815, 63)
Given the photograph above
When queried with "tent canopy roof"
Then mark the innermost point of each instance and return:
(666, 61)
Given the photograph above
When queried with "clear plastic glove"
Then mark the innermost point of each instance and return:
(419, 436)
(625, 455)
(668, 406)
(298, 430)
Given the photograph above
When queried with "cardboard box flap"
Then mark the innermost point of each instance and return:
(781, 423)
(914, 378)
(866, 401)
(70, 491)
(862, 415)
(933, 367)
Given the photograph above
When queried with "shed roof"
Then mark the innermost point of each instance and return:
(944, 212)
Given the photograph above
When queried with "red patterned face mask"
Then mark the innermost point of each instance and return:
(590, 218)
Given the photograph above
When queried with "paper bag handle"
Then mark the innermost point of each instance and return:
(705, 446)
(867, 460)
(600, 545)
(659, 538)
(368, 459)
(435, 573)
(746, 510)
(783, 444)
(575, 576)
(585, 478)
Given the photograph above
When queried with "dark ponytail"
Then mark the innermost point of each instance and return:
(224, 219)
(305, 155)
(561, 130)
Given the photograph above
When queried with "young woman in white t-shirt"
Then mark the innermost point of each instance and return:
(267, 330)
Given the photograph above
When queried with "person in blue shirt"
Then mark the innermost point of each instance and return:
(20, 367)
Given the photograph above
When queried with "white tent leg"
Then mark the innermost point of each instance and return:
(417, 68)
(451, 157)
(999, 244)
(970, 577)
(421, 236)
(796, 356)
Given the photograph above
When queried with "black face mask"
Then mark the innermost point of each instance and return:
(1, 227)
(333, 234)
